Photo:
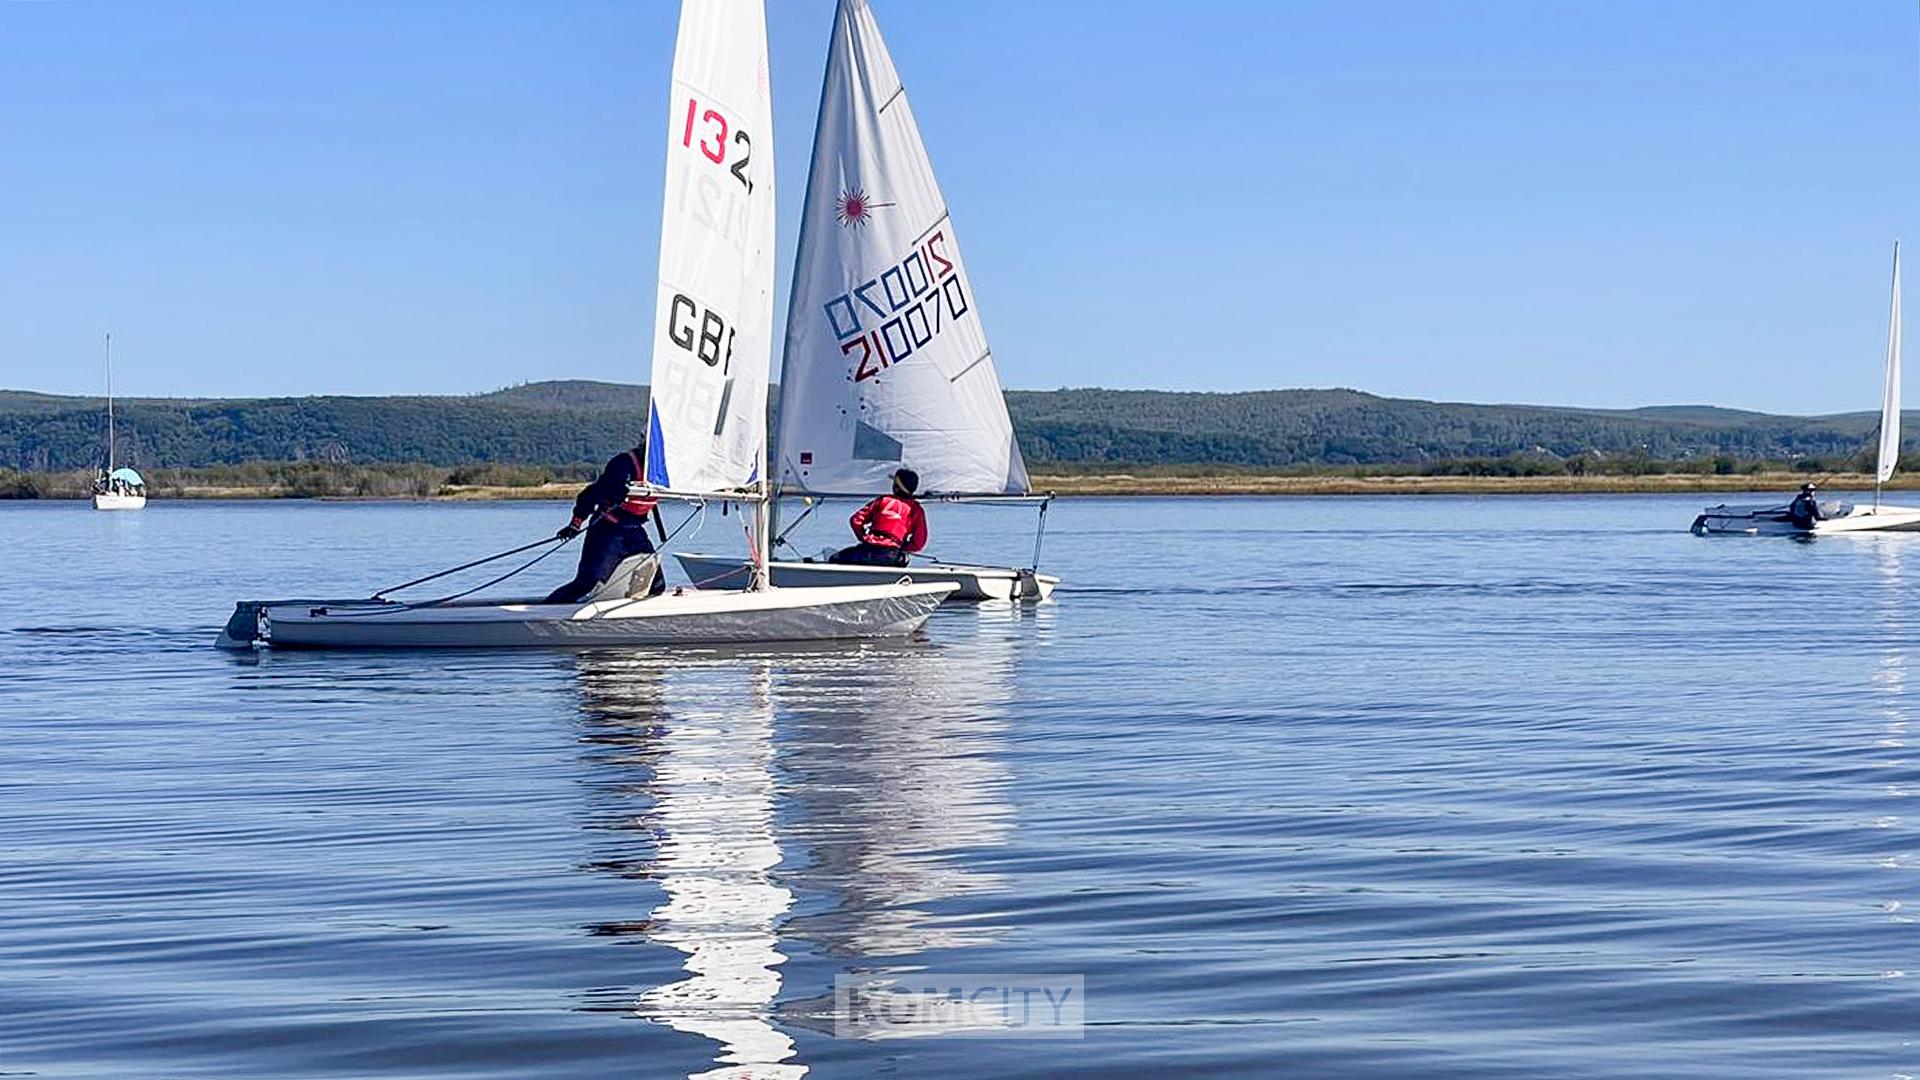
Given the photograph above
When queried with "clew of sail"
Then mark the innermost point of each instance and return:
(713, 316)
(887, 362)
(1890, 399)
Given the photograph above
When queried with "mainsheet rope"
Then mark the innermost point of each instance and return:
(557, 543)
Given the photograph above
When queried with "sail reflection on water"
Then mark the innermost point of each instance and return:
(883, 774)
(892, 761)
(707, 729)
(1890, 686)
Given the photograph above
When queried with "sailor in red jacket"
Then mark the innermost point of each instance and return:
(616, 526)
(890, 528)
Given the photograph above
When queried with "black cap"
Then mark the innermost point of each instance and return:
(906, 480)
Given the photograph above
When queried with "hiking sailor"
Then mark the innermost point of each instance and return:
(889, 528)
(616, 527)
(1805, 508)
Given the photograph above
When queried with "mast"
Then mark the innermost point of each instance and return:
(794, 296)
(762, 529)
(109, 404)
(1890, 391)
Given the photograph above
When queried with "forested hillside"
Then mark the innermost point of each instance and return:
(566, 423)
(1345, 427)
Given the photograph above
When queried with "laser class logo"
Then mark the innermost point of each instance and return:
(853, 208)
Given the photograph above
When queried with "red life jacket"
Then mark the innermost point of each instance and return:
(885, 522)
(638, 506)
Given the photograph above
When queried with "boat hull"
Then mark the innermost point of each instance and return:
(1773, 521)
(974, 583)
(113, 500)
(688, 617)
(1872, 519)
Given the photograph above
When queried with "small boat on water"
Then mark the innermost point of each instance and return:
(969, 582)
(886, 361)
(116, 488)
(706, 423)
(119, 489)
(1834, 517)
(686, 617)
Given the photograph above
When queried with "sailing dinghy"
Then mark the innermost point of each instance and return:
(1836, 517)
(886, 360)
(707, 437)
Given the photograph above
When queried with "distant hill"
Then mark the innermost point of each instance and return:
(575, 421)
(1347, 427)
(572, 394)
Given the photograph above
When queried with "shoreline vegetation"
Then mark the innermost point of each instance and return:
(491, 482)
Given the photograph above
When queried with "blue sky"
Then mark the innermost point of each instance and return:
(1606, 202)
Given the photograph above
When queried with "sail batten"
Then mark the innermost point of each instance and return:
(886, 361)
(1890, 392)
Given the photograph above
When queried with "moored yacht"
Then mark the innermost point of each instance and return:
(116, 488)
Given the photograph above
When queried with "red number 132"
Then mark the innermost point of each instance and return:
(716, 151)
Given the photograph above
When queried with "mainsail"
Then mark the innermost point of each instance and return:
(713, 316)
(887, 363)
(1890, 400)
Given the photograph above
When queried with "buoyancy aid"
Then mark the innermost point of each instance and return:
(637, 505)
(886, 521)
(611, 499)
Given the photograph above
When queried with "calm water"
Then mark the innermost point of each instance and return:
(1347, 787)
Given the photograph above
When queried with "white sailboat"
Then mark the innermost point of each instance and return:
(116, 488)
(886, 361)
(1836, 517)
(707, 418)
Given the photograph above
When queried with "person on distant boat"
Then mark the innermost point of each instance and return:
(889, 528)
(616, 527)
(1805, 508)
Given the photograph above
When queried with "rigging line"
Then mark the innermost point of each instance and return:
(468, 566)
(781, 540)
(528, 565)
(699, 512)
(1848, 461)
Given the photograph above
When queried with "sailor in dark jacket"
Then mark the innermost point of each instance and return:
(616, 527)
(1805, 508)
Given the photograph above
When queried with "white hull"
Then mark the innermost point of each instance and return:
(108, 500)
(1872, 519)
(691, 617)
(970, 582)
(1773, 521)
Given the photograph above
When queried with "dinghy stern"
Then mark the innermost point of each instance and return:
(247, 628)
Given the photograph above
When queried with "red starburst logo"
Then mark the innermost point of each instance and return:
(854, 208)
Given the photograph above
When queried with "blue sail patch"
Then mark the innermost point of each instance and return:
(656, 449)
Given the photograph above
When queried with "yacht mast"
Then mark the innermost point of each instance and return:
(109, 404)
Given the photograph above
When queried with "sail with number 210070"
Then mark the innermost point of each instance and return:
(886, 360)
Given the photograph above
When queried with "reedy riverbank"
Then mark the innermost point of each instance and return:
(309, 480)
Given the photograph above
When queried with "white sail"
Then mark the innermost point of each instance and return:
(713, 316)
(887, 363)
(1890, 400)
